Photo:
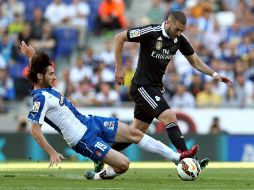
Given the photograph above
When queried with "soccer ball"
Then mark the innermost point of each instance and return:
(188, 169)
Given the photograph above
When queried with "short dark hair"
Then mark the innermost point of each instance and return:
(177, 16)
(39, 63)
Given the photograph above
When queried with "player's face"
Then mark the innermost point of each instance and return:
(49, 78)
(174, 28)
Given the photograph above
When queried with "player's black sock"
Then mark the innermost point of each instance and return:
(120, 146)
(175, 136)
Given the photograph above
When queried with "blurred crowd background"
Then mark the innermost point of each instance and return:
(79, 37)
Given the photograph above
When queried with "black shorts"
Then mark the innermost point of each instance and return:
(149, 102)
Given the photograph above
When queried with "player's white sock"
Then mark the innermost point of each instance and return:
(107, 173)
(150, 144)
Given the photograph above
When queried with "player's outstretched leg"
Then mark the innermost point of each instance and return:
(189, 153)
(105, 174)
(203, 163)
(98, 167)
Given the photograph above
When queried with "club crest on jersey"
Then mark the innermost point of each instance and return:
(157, 98)
(134, 33)
(109, 124)
(36, 107)
(159, 43)
(61, 100)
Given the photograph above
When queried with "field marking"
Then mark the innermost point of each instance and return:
(138, 165)
(67, 188)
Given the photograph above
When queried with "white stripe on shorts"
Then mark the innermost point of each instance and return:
(147, 97)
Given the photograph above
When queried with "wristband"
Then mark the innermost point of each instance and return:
(215, 74)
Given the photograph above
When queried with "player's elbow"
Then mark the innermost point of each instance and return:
(121, 37)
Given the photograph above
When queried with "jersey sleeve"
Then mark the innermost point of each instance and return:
(38, 111)
(185, 47)
(142, 34)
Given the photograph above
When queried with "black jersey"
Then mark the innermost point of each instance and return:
(156, 50)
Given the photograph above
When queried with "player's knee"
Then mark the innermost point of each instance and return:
(167, 116)
(124, 165)
(135, 135)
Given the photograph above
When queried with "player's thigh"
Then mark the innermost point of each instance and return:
(108, 127)
(141, 125)
(149, 101)
(128, 134)
(117, 160)
(92, 147)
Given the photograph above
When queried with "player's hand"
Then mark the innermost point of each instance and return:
(55, 158)
(119, 76)
(28, 51)
(223, 79)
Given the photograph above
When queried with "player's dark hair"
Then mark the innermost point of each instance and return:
(39, 63)
(177, 16)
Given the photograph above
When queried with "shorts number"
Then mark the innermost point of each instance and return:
(101, 146)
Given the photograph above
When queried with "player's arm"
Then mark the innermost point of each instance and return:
(119, 42)
(198, 64)
(37, 134)
(28, 51)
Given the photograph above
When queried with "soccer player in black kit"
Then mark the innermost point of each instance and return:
(158, 44)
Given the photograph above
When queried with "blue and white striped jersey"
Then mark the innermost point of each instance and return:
(51, 107)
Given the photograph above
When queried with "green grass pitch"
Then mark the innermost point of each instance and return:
(154, 176)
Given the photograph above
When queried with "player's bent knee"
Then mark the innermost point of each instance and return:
(135, 135)
(124, 166)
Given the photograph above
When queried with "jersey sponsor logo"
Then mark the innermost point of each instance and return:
(134, 33)
(161, 55)
(36, 107)
(158, 45)
(61, 100)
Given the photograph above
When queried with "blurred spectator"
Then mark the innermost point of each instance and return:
(80, 72)
(56, 12)
(37, 24)
(103, 74)
(22, 125)
(26, 34)
(129, 73)
(182, 98)
(17, 25)
(111, 15)
(7, 45)
(207, 97)
(244, 89)
(107, 96)
(78, 12)
(155, 13)
(196, 85)
(4, 20)
(85, 94)
(231, 99)
(107, 54)
(12, 7)
(47, 41)
(7, 90)
(206, 21)
(215, 127)
(90, 58)
(170, 81)
(177, 5)
(213, 37)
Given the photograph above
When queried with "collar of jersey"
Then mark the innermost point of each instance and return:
(39, 90)
(164, 31)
